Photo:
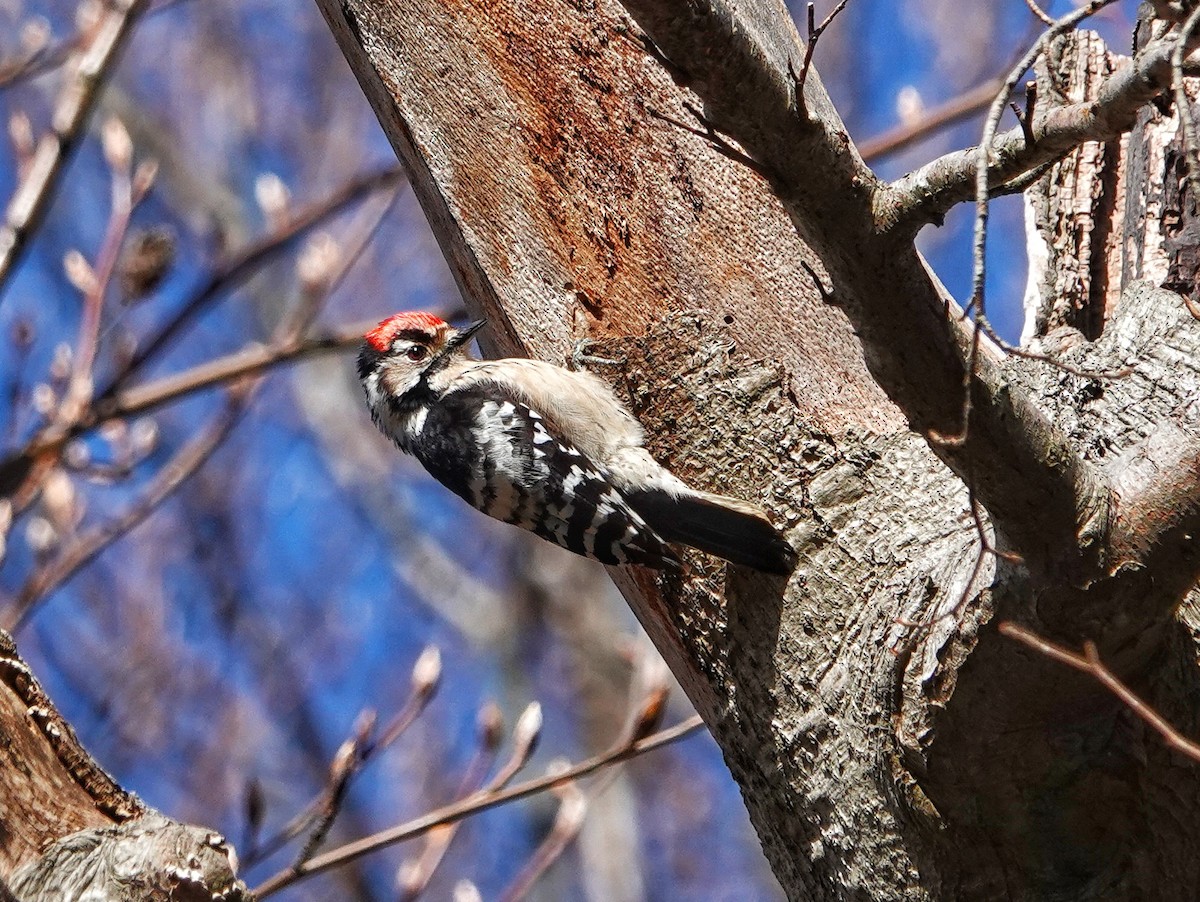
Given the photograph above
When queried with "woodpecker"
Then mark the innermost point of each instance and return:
(547, 449)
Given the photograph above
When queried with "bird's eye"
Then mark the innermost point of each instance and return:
(416, 352)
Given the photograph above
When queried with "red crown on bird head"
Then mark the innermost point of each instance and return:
(424, 327)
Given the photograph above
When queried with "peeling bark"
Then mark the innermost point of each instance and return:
(1077, 204)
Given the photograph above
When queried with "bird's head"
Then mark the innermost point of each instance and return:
(406, 348)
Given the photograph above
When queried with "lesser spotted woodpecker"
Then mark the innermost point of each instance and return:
(547, 449)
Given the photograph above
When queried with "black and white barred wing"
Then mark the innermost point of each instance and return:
(502, 458)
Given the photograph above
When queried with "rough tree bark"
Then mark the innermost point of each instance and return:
(782, 340)
(67, 831)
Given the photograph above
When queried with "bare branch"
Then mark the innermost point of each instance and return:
(572, 809)
(982, 165)
(917, 352)
(81, 551)
(251, 360)
(924, 196)
(814, 34)
(955, 110)
(43, 58)
(473, 805)
(346, 763)
(1061, 365)
(46, 57)
(193, 455)
(645, 717)
(1040, 13)
(17, 470)
(125, 198)
(415, 875)
(250, 260)
(88, 70)
(1089, 662)
(352, 756)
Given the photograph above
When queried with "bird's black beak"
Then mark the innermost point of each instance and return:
(464, 334)
(458, 339)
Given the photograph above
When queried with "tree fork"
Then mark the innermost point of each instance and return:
(889, 742)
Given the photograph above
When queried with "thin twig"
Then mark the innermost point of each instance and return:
(42, 60)
(93, 65)
(1025, 116)
(977, 304)
(249, 261)
(249, 361)
(1192, 306)
(1046, 18)
(91, 543)
(320, 280)
(1089, 662)
(20, 467)
(928, 192)
(324, 807)
(127, 194)
(966, 104)
(74, 407)
(353, 755)
(983, 157)
(814, 34)
(1011, 349)
(645, 717)
(47, 58)
(473, 805)
(346, 763)
(186, 462)
(415, 875)
(572, 809)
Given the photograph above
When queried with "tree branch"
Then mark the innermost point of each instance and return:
(924, 196)
(968, 103)
(1089, 662)
(250, 260)
(84, 548)
(88, 70)
(16, 468)
(414, 875)
(473, 805)
(252, 359)
(1039, 492)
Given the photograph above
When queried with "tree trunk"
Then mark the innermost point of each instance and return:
(781, 340)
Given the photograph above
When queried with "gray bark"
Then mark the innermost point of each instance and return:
(150, 859)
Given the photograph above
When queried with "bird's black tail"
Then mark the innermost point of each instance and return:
(731, 529)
